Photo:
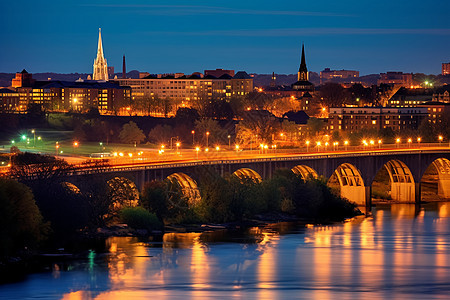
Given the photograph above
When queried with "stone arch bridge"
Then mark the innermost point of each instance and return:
(355, 171)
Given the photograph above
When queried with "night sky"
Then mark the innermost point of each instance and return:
(255, 36)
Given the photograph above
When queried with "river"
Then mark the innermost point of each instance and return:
(400, 252)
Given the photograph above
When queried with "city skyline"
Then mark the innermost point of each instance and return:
(177, 37)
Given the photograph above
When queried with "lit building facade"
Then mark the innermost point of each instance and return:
(328, 74)
(353, 119)
(65, 96)
(397, 78)
(442, 94)
(185, 90)
(436, 111)
(9, 100)
(445, 69)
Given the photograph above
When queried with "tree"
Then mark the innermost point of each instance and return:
(216, 133)
(131, 133)
(332, 94)
(260, 124)
(21, 222)
(315, 126)
(160, 134)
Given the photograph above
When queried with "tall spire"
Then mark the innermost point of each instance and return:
(303, 71)
(124, 69)
(100, 66)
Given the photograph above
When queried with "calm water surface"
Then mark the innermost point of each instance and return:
(401, 252)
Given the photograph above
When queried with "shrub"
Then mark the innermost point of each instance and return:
(139, 218)
(21, 223)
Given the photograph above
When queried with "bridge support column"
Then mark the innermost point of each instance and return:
(368, 200)
(444, 185)
(418, 192)
(357, 194)
(404, 191)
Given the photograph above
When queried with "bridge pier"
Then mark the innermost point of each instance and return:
(357, 194)
(405, 191)
(444, 185)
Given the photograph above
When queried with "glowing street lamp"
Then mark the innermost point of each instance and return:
(409, 142)
(307, 146)
(229, 141)
(237, 148)
(217, 148)
(178, 145)
(346, 145)
(326, 145)
(207, 139)
(318, 146)
(197, 149)
(56, 148)
(193, 137)
(397, 141)
(75, 145)
(440, 138)
(379, 144)
(418, 141)
(34, 137)
(372, 143)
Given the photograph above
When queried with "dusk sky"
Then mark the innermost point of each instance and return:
(255, 36)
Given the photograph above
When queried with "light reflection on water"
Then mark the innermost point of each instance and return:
(401, 251)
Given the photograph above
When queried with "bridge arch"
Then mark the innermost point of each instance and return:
(436, 178)
(188, 186)
(350, 182)
(123, 193)
(71, 187)
(248, 173)
(396, 177)
(305, 172)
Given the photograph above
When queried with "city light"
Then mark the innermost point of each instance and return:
(217, 148)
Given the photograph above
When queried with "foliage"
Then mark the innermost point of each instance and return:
(28, 166)
(216, 133)
(123, 193)
(315, 126)
(131, 133)
(332, 94)
(139, 218)
(260, 124)
(160, 134)
(21, 223)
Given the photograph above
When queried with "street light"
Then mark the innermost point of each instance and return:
(379, 144)
(307, 146)
(207, 139)
(56, 148)
(75, 144)
(346, 145)
(197, 149)
(409, 142)
(34, 137)
(229, 142)
(398, 142)
(193, 137)
(440, 138)
(418, 141)
(318, 146)
(178, 145)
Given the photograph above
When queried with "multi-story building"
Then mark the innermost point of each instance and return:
(353, 119)
(442, 94)
(185, 90)
(436, 111)
(328, 74)
(397, 78)
(445, 69)
(107, 97)
(405, 97)
(9, 100)
(22, 79)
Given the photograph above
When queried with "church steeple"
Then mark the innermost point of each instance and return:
(100, 66)
(303, 71)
